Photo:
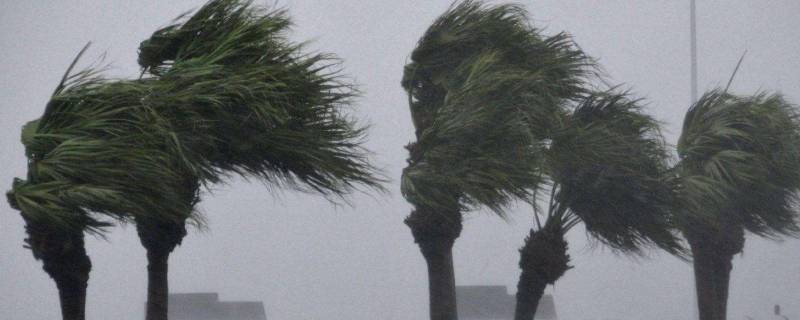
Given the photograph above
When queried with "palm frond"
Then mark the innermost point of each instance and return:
(60, 206)
(609, 161)
(258, 105)
(740, 160)
(484, 87)
(230, 31)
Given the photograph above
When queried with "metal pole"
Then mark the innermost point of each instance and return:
(693, 31)
(693, 36)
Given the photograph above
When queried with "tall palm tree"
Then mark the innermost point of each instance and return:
(739, 171)
(264, 110)
(606, 165)
(479, 78)
(159, 237)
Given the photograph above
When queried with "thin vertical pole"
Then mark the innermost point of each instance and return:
(693, 31)
(693, 36)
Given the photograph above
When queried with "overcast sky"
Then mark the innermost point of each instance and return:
(307, 259)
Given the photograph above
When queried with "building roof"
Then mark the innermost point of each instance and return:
(206, 306)
(494, 303)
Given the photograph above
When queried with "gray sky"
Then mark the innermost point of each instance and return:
(307, 259)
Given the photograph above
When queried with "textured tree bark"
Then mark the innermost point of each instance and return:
(435, 233)
(157, 285)
(72, 296)
(713, 250)
(543, 260)
(159, 239)
(64, 258)
(441, 278)
(530, 290)
(704, 282)
(722, 272)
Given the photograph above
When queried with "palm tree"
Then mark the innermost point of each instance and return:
(480, 77)
(739, 170)
(257, 106)
(60, 248)
(606, 164)
(159, 237)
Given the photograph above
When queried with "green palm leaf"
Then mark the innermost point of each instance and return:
(739, 160)
(234, 97)
(608, 161)
(480, 78)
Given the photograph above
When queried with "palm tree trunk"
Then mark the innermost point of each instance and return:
(159, 239)
(530, 290)
(705, 283)
(722, 273)
(713, 249)
(157, 285)
(435, 233)
(64, 258)
(543, 260)
(441, 278)
(72, 296)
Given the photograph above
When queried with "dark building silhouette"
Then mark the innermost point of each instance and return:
(206, 306)
(494, 303)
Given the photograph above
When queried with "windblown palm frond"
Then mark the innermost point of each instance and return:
(98, 150)
(232, 31)
(59, 205)
(609, 162)
(257, 105)
(740, 161)
(484, 88)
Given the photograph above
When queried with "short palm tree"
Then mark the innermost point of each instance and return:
(59, 245)
(739, 171)
(478, 80)
(606, 165)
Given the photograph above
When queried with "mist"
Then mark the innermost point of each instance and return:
(307, 258)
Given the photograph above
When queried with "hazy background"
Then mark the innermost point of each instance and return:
(307, 259)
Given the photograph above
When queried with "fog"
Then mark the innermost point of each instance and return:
(308, 259)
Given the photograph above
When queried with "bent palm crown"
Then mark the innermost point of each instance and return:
(607, 162)
(480, 78)
(226, 92)
(740, 162)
